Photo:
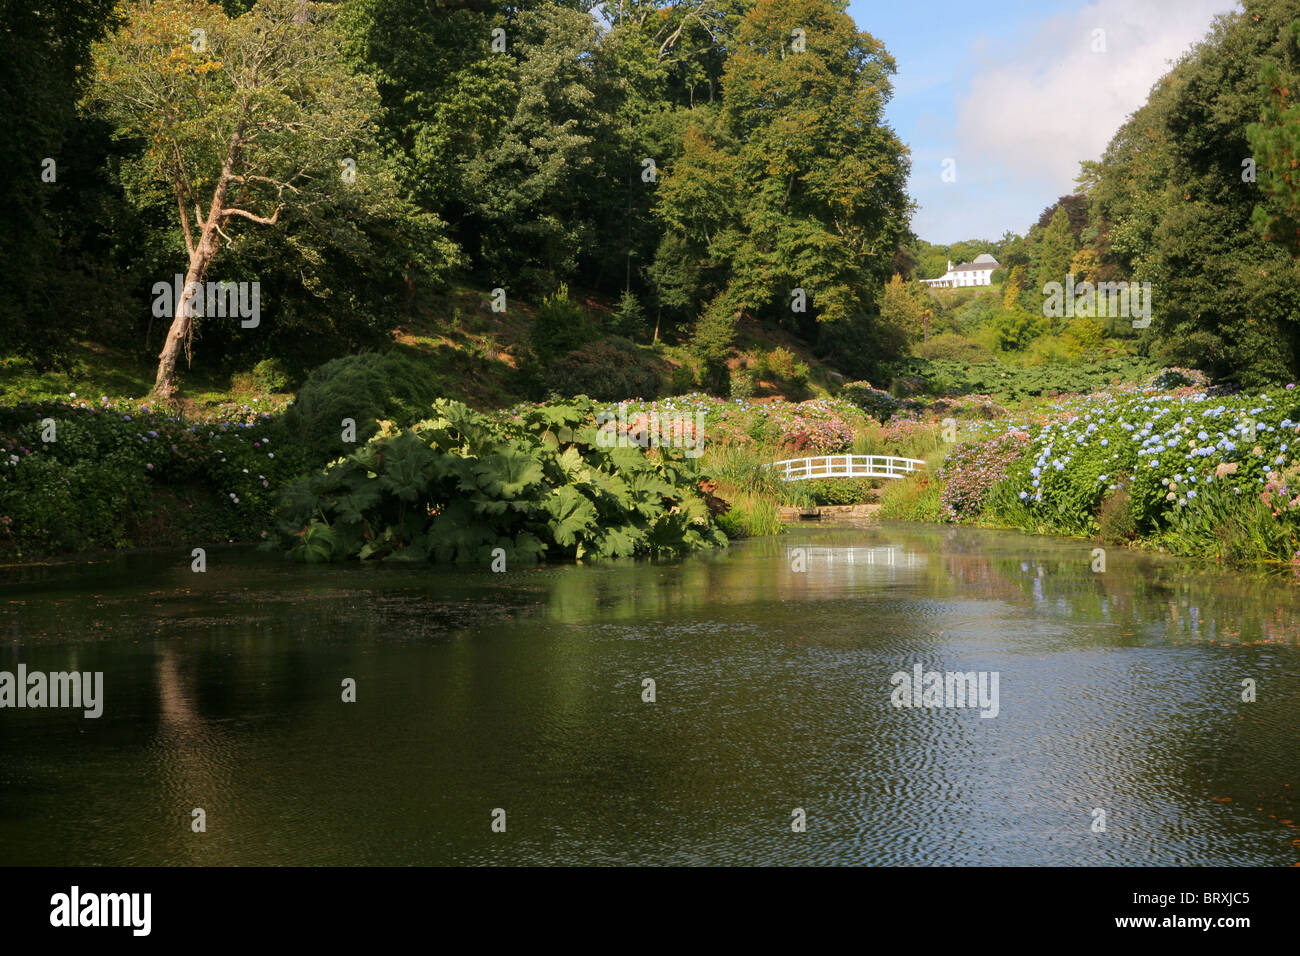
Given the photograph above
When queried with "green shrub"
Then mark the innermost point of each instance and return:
(560, 325)
(978, 311)
(1171, 455)
(1053, 351)
(629, 319)
(1227, 524)
(1011, 383)
(839, 491)
(1115, 517)
(784, 365)
(1016, 329)
(953, 347)
(742, 383)
(109, 469)
(608, 370)
(683, 378)
(365, 388)
(460, 485)
(875, 402)
(269, 375)
(714, 336)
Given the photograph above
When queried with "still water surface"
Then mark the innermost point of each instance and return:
(523, 691)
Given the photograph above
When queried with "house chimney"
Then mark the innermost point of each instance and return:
(950, 265)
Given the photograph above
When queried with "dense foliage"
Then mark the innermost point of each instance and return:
(610, 369)
(460, 485)
(691, 160)
(81, 476)
(365, 388)
(1168, 463)
(1162, 450)
(1014, 383)
(1174, 201)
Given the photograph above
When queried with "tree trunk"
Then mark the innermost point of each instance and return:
(164, 386)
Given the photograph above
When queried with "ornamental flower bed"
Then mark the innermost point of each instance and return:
(808, 435)
(1163, 449)
(971, 471)
(82, 482)
(876, 402)
(814, 427)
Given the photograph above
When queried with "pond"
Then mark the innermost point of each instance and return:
(1119, 733)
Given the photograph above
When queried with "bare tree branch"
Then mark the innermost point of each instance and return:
(261, 220)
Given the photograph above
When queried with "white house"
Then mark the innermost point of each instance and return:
(979, 272)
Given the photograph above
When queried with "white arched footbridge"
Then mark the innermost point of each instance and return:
(847, 466)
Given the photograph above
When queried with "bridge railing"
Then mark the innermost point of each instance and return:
(847, 466)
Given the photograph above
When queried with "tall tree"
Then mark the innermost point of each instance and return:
(535, 178)
(51, 172)
(1275, 148)
(249, 121)
(1056, 250)
(1174, 201)
(905, 306)
(801, 183)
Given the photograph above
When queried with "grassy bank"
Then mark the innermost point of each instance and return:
(1168, 463)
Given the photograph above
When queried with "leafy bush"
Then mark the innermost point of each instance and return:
(1053, 351)
(1163, 451)
(683, 378)
(608, 370)
(784, 365)
(875, 402)
(838, 491)
(954, 348)
(972, 469)
(560, 325)
(269, 375)
(715, 333)
(1009, 383)
(1171, 378)
(365, 388)
(1235, 527)
(1016, 328)
(100, 478)
(1115, 517)
(460, 485)
(978, 311)
(629, 319)
(742, 383)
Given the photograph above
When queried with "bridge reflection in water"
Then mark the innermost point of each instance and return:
(829, 558)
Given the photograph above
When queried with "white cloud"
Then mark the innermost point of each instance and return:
(1040, 104)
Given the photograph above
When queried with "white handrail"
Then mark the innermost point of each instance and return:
(847, 466)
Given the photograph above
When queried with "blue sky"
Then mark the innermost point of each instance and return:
(1016, 92)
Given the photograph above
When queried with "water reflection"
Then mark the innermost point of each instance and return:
(1120, 690)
